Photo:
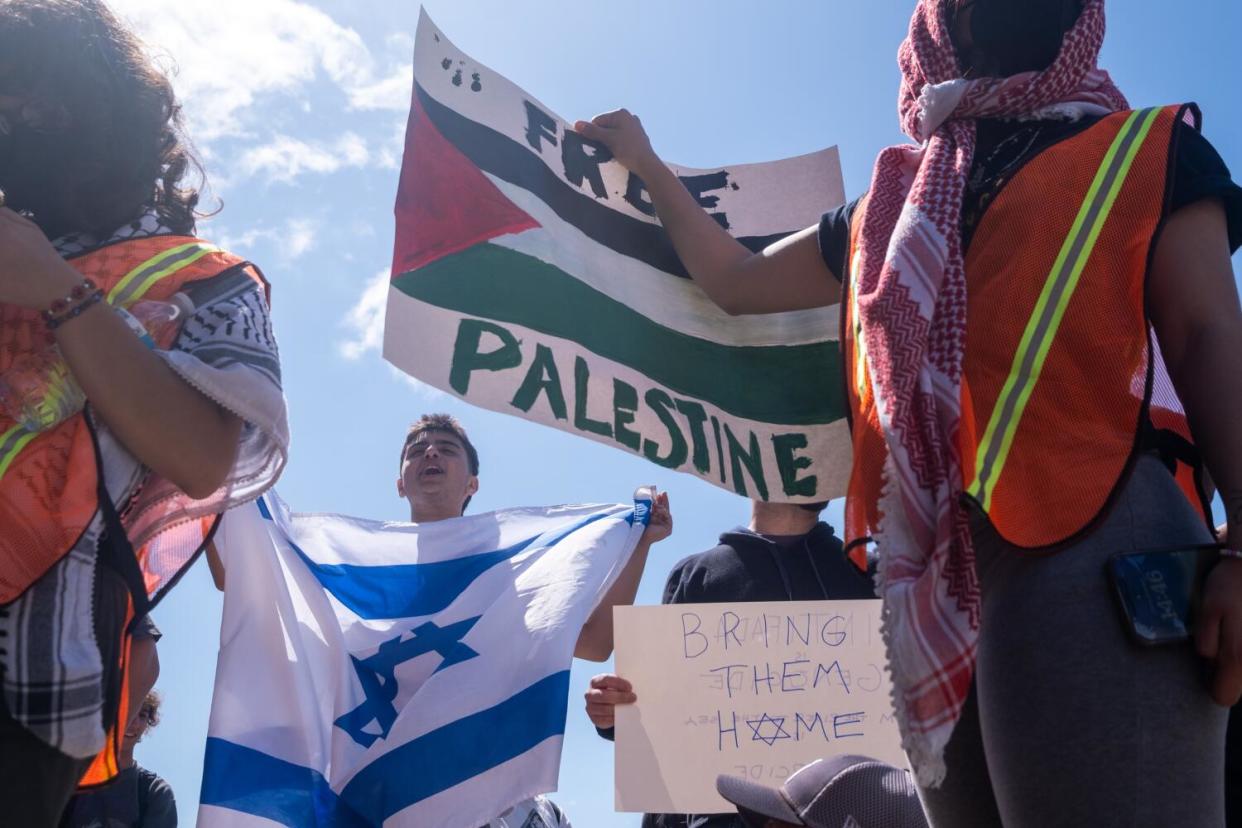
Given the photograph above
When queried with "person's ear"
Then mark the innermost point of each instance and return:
(400, 488)
(472, 486)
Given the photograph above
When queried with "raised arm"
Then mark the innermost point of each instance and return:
(788, 275)
(164, 422)
(595, 640)
(1193, 303)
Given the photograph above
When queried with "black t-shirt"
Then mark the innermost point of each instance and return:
(136, 798)
(749, 567)
(1002, 149)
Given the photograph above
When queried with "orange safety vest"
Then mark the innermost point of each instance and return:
(49, 480)
(1059, 367)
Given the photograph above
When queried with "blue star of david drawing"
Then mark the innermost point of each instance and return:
(774, 733)
(376, 674)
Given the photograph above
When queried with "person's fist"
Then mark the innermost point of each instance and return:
(660, 524)
(603, 695)
(32, 273)
(624, 136)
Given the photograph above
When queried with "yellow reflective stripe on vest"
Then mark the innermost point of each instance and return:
(1042, 327)
(137, 282)
(130, 289)
(11, 444)
(860, 347)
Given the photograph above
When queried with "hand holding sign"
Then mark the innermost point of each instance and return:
(606, 691)
(622, 132)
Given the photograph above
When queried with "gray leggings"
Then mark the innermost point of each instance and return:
(1069, 723)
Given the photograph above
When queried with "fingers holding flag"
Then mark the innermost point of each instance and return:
(660, 524)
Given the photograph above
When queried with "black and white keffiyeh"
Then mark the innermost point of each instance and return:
(53, 673)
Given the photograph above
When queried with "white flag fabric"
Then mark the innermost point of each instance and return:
(399, 674)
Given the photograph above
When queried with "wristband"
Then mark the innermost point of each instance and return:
(73, 313)
(1226, 552)
(84, 289)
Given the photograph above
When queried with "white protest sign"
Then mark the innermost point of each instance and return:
(755, 690)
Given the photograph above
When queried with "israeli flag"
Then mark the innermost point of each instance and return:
(399, 674)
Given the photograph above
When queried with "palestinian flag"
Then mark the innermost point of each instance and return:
(531, 276)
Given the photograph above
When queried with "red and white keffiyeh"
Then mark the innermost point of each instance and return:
(911, 293)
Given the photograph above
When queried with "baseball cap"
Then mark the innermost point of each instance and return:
(841, 792)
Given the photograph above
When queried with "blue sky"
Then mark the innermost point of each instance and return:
(298, 110)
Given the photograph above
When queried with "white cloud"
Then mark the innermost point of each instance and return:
(365, 320)
(284, 157)
(301, 235)
(392, 92)
(365, 324)
(422, 389)
(400, 42)
(359, 229)
(227, 53)
(242, 243)
(226, 56)
(389, 154)
(249, 74)
(293, 239)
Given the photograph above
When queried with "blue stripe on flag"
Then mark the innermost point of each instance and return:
(247, 780)
(456, 752)
(412, 590)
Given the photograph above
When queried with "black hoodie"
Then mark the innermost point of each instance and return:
(745, 567)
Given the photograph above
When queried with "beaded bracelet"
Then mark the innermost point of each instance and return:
(80, 292)
(75, 311)
(1226, 552)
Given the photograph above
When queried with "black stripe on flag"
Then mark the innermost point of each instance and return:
(501, 156)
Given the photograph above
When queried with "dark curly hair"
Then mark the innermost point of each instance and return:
(98, 139)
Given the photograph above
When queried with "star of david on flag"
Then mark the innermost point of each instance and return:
(394, 674)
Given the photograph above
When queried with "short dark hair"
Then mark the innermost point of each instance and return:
(1016, 36)
(109, 142)
(814, 507)
(448, 424)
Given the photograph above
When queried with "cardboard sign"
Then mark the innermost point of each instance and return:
(756, 690)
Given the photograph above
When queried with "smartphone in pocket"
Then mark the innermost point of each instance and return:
(1158, 591)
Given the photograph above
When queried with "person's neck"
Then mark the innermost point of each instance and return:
(781, 519)
(431, 512)
(125, 759)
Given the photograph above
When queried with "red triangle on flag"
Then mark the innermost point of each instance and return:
(444, 202)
